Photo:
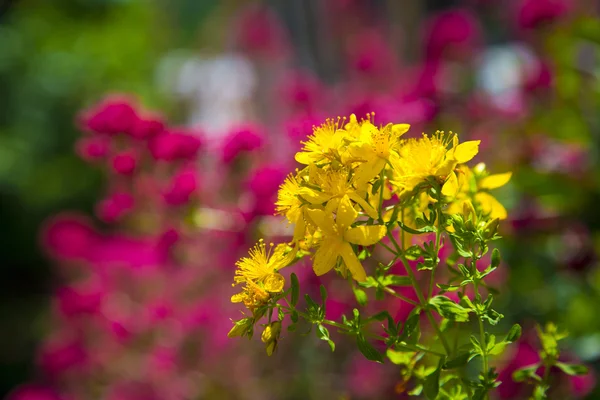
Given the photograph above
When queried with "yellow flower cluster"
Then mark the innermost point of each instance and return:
(335, 200)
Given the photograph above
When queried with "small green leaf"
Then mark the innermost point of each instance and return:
(432, 382)
(449, 309)
(323, 294)
(495, 258)
(513, 334)
(425, 229)
(367, 350)
(295, 289)
(525, 373)
(396, 280)
(458, 361)
(361, 296)
(294, 316)
(323, 334)
(572, 369)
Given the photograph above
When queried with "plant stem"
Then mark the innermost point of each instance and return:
(484, 352)
(438, 235)
(422, 301)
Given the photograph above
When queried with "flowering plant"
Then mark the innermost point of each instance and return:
(366, 202)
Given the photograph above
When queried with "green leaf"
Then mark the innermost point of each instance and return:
(361, 296)
(411, 327)
(460, 360)
(294, 316)
(323, 334)
(425, 229)
(367, 350)
(323, 294)
(432, 382)
(513, 334)
(495, 258)
(572, 369)
(295, 289)
(449, 309)
(522, 374)
(396, 280)
(399, 357)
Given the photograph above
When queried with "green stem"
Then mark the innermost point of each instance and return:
(346, 328)
(438, 235)
(484, 352)
(422, 301)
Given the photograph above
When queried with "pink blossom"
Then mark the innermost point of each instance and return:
(81, 299)
(260, 32)
(455, 32)
(124, 163)
(114, 115)
(147, 127)
(182, 187)
(301, 91)
(115, 207)
(34, 392)
(68, 236)
(61, 355)
(533, 13)
(174, 145)
(92, 148)
(523, 356)
(370, 54)
(242, 139)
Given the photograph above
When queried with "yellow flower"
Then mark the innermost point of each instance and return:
(291, 205)
(474, 185)
(334, 184)
(434, 156)
(374, 148)
(323, 144)
(337, 237)
(260, 271)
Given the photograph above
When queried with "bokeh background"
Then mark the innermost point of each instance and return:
(115, 279)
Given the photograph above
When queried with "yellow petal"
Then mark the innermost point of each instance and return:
(313, 196)
(365, 235)
(371, 212)
(346, 214)
(400, 129)
(450, 188)
(495, 181)
(466, 151)
(490, 205)
(306, 158)
(238, 298)
(326, 256)
(352, 263)
(322, 220)
(368, 170)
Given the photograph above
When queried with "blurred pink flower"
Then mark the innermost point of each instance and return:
(175, 144)
(92, 148)
(246, 138)
(147, 127)
(124, 163)
(115, 114)
(182, 187)
(34, 392)
(302, 91)
(115, 207)
(453, 32)
(68, 236)
(258, 31)
(533, 13)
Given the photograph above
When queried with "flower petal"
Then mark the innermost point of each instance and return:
(495, 181)
(490, 205)
(466, 151)
(346, 214)
(450, 188)
(322, 219)
(400, 129)
(326, 256)
(371, 212)
(352, 263)
(365, 235)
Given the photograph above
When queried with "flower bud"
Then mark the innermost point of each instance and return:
(270, 336)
